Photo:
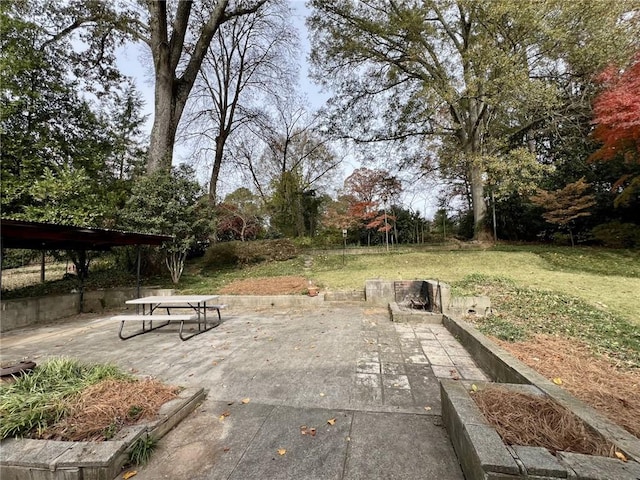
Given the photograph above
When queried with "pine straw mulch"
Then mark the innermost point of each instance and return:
(594, 380)
(104, 408)
(537, 421)
(291, 285)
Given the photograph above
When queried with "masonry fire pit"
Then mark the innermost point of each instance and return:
(416, 301)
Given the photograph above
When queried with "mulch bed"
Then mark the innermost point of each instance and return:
(291, 285)
(593, 379)
(104, 408)
(537, 421)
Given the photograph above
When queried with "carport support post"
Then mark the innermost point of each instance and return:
(42, 267)
(138, 273)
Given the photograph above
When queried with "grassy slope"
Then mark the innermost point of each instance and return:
(565, 273)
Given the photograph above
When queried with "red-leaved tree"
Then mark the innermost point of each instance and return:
(617, 119)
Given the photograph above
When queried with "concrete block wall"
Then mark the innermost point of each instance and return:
(22, 312)
(505, 368)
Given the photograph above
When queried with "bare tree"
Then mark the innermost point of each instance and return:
(295, 142)
(249, 57)
(299, 162)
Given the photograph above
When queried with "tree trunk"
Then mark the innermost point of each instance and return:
(571, 237)
(481, 232)
(217, 163)
(165, 125)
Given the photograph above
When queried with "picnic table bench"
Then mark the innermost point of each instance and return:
(149, 305)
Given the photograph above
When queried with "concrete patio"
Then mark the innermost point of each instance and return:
(298, 367)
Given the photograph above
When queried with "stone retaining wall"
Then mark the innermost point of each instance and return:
(24, 458)
(483, 455)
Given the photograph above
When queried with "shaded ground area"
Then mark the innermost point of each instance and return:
(267, 286)
(594, 380)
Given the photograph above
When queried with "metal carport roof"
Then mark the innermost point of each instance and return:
(47, 236)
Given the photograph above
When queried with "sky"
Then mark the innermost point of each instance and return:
(135, 61)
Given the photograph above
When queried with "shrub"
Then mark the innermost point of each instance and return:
(230, 254)
(562, 239)
(223, 254)
(617, 235)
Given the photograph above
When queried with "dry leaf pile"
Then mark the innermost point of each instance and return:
(537, 421)
(102, 409)
(594, 380)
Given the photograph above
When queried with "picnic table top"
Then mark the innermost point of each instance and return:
(176, 299)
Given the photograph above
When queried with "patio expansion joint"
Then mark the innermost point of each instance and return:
(253, 437)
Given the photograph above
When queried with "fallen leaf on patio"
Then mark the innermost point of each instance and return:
(214, 363)
(557, 381)
(224, 414)
(226, 449)
(474, 388)
(621, 456)
(282, 451)
(304, 430)
(427, 408)
(454, 374)
(245, 401)
(129, 474)
(321, 394)
(331, 421)
(133, 370)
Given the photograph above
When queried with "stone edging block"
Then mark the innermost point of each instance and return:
(479, 448)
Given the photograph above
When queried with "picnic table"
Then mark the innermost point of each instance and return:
(195, 305)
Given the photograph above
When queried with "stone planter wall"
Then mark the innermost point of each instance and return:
(58, 460)
(480, 450)
(483, 455)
